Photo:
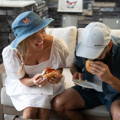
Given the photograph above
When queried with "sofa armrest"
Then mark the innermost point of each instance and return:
(2, 75)
(2, 70)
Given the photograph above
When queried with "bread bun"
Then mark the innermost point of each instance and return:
(50, 72)
(88, 66)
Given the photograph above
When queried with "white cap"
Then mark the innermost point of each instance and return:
(95, 37)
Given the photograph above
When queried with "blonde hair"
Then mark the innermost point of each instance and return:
(22, 47)
(21, 51)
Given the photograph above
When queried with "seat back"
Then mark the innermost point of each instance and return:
(68, 35)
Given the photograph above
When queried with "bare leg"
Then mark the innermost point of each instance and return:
(44, 114)
(115, 110)
(67, 102)
(30, 113)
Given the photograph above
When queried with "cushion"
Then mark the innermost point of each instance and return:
(116, 33)
(5, 99)
(68, 35)
(68, 78)
(80, 30)
(2, 75)
(100, 111)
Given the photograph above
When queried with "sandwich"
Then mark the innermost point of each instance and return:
(50, 73)
(88, 65)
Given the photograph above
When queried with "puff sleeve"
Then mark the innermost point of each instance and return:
(12, 64)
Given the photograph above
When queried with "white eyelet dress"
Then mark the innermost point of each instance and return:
(23, 96)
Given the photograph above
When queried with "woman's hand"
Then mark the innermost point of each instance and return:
(39, 81)
(55, 79)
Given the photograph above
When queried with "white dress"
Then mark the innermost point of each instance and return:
(23, 96)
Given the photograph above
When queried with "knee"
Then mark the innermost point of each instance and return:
(29, 114)
(58, 104)
(115, 110)
(115, 113)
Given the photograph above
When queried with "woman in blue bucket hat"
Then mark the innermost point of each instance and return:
(25, 59)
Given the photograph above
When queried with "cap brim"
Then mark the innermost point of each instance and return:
(88, 52)
(16, 42)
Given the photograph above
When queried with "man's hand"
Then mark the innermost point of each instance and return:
(101, 70)
(77, 76)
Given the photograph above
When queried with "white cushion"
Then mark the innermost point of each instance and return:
(68, 35)
(68, 78)
(5, 99)
(116, 32)
(80, 30)
(99, 111)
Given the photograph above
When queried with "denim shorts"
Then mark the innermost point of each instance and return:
(94, 98)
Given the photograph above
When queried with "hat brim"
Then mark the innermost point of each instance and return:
(42, 25)
(89, 52)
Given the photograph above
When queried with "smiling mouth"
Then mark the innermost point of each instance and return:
(39, 44)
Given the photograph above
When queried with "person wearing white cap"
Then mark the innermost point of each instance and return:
(98, 46)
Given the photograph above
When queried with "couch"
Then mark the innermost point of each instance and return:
(71, 36)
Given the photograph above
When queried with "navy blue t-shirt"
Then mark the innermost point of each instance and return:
(113, 62)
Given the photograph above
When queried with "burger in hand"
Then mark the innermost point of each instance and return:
(88, 65)
(52, 75)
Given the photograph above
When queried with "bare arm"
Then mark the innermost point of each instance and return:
(73, 69)
(103, 72)
(114, 82)
(75, 73)
(35, 80)
(27, 81)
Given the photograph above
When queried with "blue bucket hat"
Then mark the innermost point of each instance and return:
(26, 24)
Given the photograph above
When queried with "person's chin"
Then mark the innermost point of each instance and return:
(40, 48)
